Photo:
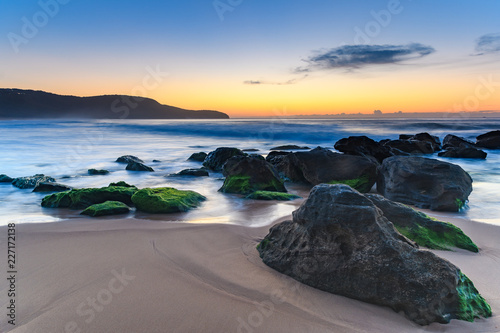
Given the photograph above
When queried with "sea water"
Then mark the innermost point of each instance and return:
(66, 149)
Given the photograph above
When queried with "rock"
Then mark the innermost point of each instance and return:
(128, 158)
(275, 156)
(490, 140)
(250, 150)
(364, 146)
(268, 195)
(321, 165)
(421, 228)
(290, 147)
(246, 174)
(156, 161)
(426, 137)
(106, 208)
(166, 200)
(5, 179)
(425, 183)
(411, 146)
(198, 157)
(340, 242)
(260, 157)
(94, 172)
(122, 184)
(31, 182)
(136, 166)
(192, 172)
(82, 198)
(451, 140)
(464, 151)
(51, 187)
(216, 159)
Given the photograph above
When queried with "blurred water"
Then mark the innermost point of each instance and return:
(66, 149)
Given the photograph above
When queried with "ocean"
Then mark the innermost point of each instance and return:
(66, 149)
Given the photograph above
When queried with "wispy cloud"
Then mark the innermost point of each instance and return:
(489, 43)
(358, 56)
(284, 83)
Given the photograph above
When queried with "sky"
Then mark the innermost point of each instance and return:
(257, 57)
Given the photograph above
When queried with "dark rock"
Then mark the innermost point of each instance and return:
(156, 161)
(192, 172)
(364, 146)
(464, 151)
(121, 184)
(5, 179)
(136, 166)
(260, 157)
(426, 137)
(290, 147)
(490, 140)
(250, 150)
(106, 208)
(405, 136)
(31, 182)
(268, 195)
(421, 228)
(275, 156)
(321, 165)
(166, 200)
(198, 157)
(51, 187)
(411, 146)
(454, 141)
(129, 158)
(94, 172)
(216, 159)
(425, 183)
(245, 174)
(82, 198)
(340, 242)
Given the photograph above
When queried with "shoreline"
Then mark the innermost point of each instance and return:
(186, 277)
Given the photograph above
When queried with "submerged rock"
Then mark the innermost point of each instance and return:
(128, 158)
(5, 179)
(82, 198)
(51, 187)
(32, 181)
(166, 200)
(290, 147)
(94, 172)
(215, 160)
(192, 172)
(269, 195)
(198, 157)
(422, 229)
(106, 208)
(137, 166)
(425, 183)
(490, 140)
(340, 242)
(245, 174)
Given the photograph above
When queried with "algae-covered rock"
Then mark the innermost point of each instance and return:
(82, 198)
(166, 200)
(269, 195)
(422, 229)
(121, 183)
(94, 172)
(106, 208)
(362, 184)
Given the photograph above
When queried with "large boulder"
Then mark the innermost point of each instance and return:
(246, 174)
(106, 208)
(137, 166)
(5, 179)
(321, 165)
(426, 137)
(411, 146)
(454, 141)
(421, 228)
(364, 146)
(51, 187)
(490, 140)
(128, 158)
(425, 183)
(192, 172)
(340, 242)
(275, 157)
(166, 200)
(95, 172)
(82, 198)
(463, 151)
(198, 157)
(215, 160)
(32, 181)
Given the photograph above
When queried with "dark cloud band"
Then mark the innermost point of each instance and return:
(488, 44)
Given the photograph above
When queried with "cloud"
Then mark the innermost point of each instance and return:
(258, 82)
(358, 56)
(489, 43)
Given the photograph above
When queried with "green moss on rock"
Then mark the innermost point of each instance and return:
(166, 200)
(361, 184)
(121, 184)
(471, 304)
(106, 208)
(244, 185)
(82, 198)
(270, 195)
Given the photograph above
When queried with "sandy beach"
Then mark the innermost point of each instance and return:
(111, 275)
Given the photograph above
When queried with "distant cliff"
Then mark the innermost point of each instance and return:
(22, 104)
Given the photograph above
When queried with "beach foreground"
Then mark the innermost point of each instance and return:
(129, 275)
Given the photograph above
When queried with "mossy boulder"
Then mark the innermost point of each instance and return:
(472, 304)
(106, 208)
(362, 184)
(121, 184)
(422, 229)
(166, 200)
(246, 174)
(82, 198)
(269, 195)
